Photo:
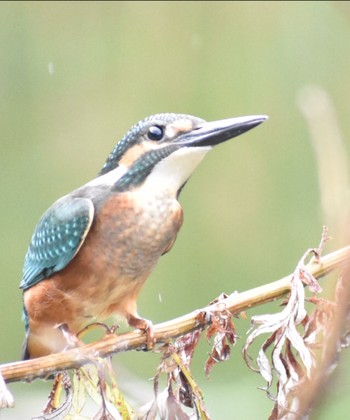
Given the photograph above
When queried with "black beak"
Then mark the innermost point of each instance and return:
(215, 132)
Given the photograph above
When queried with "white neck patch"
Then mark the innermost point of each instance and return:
(110, 178)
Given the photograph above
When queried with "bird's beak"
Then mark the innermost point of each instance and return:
(215, 132)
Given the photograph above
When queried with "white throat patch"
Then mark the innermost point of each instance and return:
(173, 171)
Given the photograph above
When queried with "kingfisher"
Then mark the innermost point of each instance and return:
(94, 248)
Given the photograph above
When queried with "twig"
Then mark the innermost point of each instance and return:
(236, 302)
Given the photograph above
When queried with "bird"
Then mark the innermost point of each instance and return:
(94, 248)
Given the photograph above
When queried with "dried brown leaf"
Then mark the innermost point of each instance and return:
(223, 330)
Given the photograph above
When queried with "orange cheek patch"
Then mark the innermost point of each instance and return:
(134, 153)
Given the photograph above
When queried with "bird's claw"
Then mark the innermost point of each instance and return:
(71, 339)
(146, 326)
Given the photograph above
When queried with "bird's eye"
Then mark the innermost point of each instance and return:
(155, 132)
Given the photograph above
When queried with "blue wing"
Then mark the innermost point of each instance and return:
(57, 238)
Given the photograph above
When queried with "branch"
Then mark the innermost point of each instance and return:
(111, 343)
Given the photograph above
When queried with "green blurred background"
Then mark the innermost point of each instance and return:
(76, 75)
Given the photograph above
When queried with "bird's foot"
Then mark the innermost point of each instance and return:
(71, 338)
(144, 325)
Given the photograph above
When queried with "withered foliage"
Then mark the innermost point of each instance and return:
(92, 393)
(182, 391)
(222, 328)
(181, 399)
(294, 340)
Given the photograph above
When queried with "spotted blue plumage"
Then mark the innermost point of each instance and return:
(57, 238)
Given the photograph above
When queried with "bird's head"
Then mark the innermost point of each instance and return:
(162, 151)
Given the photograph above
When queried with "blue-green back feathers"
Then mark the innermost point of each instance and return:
(57, 238)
